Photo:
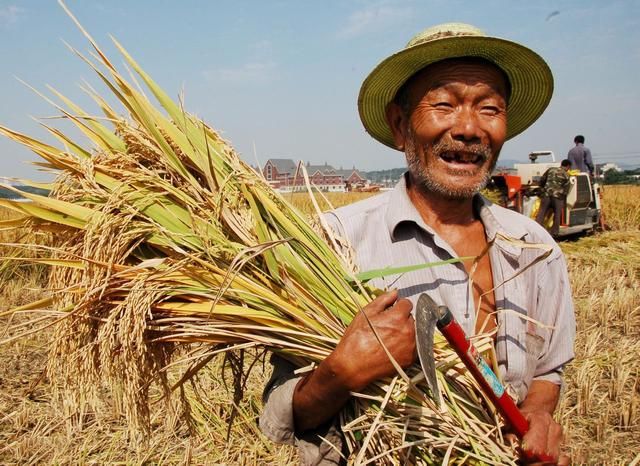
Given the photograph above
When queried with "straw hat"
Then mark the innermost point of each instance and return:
(529, 75)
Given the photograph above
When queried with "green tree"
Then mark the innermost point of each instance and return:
(615, 177)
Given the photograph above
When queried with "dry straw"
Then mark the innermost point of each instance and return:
(168, 244)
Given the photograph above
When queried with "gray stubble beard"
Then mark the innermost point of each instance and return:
(421, 175)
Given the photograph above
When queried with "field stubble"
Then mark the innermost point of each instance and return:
(600, 408)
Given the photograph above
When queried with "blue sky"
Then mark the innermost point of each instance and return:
(284, 76)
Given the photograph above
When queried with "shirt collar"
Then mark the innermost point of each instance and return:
(400, 209)
(496, 223)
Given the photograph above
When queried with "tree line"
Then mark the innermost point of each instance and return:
(622, 177)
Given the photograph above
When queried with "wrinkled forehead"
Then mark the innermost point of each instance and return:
(469, 70)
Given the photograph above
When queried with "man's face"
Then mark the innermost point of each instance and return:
(454, 126)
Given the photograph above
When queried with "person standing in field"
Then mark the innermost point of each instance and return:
(555, 187)
(580, 156)
(448, 100)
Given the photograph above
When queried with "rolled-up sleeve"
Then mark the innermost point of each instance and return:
(319, 447)
(276, 420)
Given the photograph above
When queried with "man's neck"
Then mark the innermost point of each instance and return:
(439, 211)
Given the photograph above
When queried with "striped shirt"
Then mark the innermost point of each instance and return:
(388, 231)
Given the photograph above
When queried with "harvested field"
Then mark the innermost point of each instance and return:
(600, 409)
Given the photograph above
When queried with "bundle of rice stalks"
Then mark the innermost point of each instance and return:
(167, 243)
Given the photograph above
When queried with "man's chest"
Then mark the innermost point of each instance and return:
(439, 270)
(496, 282)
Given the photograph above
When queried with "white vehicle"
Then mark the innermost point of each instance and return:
(520, 191)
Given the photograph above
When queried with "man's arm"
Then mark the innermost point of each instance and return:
(543, 179)
(358, 360)
(588, 160)
(542, 396)
(545, 434)
(566, 187)
(555, 307)
(319, 397)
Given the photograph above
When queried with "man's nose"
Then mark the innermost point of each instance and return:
(466, 126)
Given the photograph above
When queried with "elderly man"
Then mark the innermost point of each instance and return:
(449, 100)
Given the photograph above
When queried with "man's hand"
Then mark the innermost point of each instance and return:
(544, 438)
(545, 435)
(358, 360)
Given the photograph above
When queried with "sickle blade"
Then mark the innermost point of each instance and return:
(426, 318)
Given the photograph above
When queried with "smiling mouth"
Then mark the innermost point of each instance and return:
(462, 157)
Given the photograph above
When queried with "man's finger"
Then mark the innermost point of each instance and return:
(512, 440)
(402, 306)
(381, 302)
(554, 440)
(564, 460)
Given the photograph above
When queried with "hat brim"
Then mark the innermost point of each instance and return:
(529, 75)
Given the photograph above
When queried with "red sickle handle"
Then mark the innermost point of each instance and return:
(483, 374)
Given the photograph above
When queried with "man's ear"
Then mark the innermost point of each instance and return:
(398, 123)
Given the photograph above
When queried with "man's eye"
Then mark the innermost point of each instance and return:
(490, 110)
(443, 105)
